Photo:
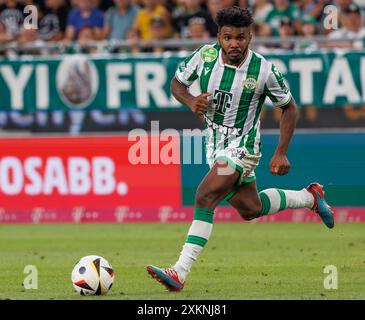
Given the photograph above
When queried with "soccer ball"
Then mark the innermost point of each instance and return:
(92, 275)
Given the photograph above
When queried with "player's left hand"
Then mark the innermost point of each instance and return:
(279, 164)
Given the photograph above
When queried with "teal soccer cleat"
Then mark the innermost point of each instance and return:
(167, 277)
(320, 205)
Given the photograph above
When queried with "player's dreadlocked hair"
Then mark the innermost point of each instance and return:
(235, 17)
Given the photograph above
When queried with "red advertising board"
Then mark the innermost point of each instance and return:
(107, 179)
(91, 172)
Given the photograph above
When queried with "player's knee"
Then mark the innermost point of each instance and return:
(250, 213)
(204, 198)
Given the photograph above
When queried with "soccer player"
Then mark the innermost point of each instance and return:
(234, 82)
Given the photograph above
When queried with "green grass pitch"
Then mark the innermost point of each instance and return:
(241, 261)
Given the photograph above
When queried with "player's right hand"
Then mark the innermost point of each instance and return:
(199, 104)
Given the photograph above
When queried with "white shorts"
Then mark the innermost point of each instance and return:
(237, 157)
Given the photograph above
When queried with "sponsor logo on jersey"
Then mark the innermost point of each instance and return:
(209, 54)
(223, 129)
(222, 100)
(250, 83)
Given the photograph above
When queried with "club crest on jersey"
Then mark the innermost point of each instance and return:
(209, 54)
(250, 83)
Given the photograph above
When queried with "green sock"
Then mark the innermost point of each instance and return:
(198, 236)
(275, 200)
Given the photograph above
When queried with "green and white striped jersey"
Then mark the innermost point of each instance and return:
(238, 93)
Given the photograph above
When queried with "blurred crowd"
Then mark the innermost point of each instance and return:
(85, 21)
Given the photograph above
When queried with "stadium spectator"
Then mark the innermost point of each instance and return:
(160, 30)
(231, 3)
(124, 19)
(286, 29)
(168, 4)
(262, 30)
(27, 36)
(282, 8)
(183, 13)
(197, 28)
(343, 5)
(141, 26)
(52, 23)
(85, 14)
(86, 37)
(316, 10)
(312, 8)
(119, 19)
(261, 9)
(352, 29)
(11, 20)
(213, 7)
(105, 5)
(308, 30)
(29, 29)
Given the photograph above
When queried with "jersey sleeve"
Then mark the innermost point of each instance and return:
(276, 88)
(188, 70)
